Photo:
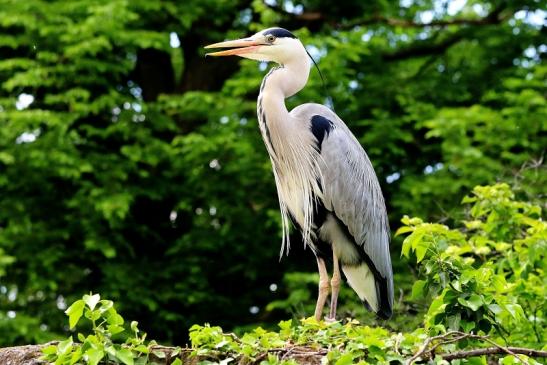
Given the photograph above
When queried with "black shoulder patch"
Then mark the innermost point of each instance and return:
(320, 126)
(280, 33)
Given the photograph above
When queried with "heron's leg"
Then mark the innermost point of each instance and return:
(323, 288)
(335, 286)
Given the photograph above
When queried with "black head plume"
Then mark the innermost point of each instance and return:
(329, 99)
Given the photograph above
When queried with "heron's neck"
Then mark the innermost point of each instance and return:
(273, 116)
(281, 82)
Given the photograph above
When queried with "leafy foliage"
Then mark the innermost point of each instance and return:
(99, 346)
(484, 277)
(477, 300)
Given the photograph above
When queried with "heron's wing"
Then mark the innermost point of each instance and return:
(352, 192)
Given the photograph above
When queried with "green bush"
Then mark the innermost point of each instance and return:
(482, 283)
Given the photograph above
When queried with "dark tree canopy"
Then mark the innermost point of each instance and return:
(132, 166)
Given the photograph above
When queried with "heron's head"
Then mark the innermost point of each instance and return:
(270, 45)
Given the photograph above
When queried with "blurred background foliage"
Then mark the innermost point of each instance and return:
(133, 167)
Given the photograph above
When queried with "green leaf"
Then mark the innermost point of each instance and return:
(496, 309)
(159, 354)
(510, 360)
(64, 347)
(404, 229)
(418, 289)
(469, 199)
(405, 250)
(75, 312)
(468, 326)
(437, 306)
(142, 361)
(114, 329)
(454, 322)
(474, 302)
(94, 356)
(125, 356)
(92, 300)
(346, 359)
(50, 350)
(421, 249)
(144, 349)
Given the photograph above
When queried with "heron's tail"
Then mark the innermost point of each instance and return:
(375, 292)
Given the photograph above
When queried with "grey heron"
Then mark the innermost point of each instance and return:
(325, 181)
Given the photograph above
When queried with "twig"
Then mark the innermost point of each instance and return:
(423, 349)
(427, 351)
(317, 16)
(492, 351)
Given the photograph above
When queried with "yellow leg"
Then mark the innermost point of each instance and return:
(323, 288)
(335, 286)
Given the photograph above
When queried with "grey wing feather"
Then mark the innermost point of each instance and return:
(351, 190)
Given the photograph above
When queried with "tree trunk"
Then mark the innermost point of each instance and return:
(23, 355)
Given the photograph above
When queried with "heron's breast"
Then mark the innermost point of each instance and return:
(293, 197)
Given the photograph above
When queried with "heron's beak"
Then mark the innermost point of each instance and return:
(239, 47)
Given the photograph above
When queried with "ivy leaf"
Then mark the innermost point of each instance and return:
(92, 300)
(411, 242)
(474, 302)
(125, 356)
(75, 312)
(418, 289)
(49, 350)
(65, 346)
(403, 229)
(115, 329)
(346, 359)
(94, 356)
(421, 249)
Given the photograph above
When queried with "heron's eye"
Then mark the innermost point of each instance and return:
(270, 38)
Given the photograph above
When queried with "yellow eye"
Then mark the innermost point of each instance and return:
(270, 38)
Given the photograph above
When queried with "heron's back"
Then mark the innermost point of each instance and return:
(351, 195)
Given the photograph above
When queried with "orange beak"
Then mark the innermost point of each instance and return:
(239, 46)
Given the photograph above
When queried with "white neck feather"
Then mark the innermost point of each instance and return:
(291, 146)
(289, 78)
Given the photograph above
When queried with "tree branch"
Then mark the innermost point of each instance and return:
(417, 49)
(164, 355)
(424, 48)
(492, 18)
(427, 351)
(492, 351)
(316, 16)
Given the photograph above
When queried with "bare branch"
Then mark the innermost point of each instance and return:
(316, 16)
(492, 18)
(492, 351)
(418, 48)
(427, 351)
(424, 48)
(305, 354)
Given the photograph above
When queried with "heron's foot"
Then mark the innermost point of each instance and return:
(324, 288)
(335, 289)
(329, 319)
(322, 298)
